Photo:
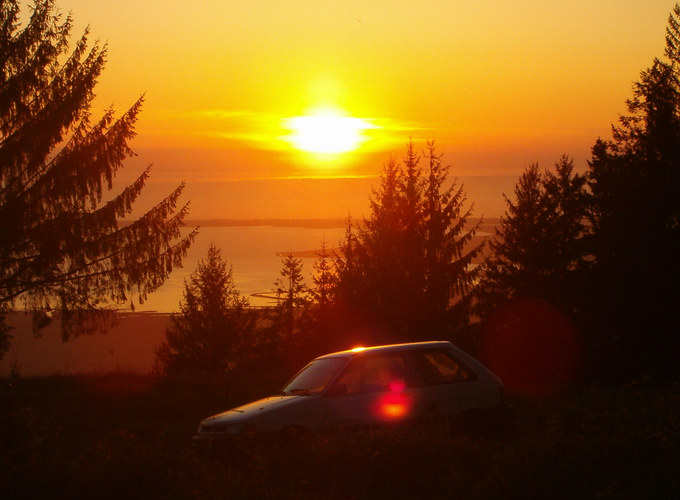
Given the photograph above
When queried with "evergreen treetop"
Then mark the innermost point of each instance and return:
(212, 333)
(64, 245)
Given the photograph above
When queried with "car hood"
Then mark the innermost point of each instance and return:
(254, 410)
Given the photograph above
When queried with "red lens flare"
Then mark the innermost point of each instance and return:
(533, 347)
(393, 405)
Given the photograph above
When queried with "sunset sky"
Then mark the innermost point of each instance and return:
(497, 84)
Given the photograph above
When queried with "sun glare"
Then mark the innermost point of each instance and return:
(326, 131)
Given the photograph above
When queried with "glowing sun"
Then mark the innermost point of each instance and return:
(326, 131)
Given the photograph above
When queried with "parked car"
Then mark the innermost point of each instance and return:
(413, 382)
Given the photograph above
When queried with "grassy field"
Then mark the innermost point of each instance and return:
(128, 436)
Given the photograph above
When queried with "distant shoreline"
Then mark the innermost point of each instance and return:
(304, 223)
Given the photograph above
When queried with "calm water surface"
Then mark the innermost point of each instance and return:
(252, 253)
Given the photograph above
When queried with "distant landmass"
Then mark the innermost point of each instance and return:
(486, 229)
(487, 223)
(307, 223)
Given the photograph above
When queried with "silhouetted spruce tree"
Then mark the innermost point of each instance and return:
(323, 278)
(213, 332)
(291, 290)
(327, 318)
(387, 253)
(635, 182)
(62, 247)
(345, 267)
(532, 284)
(408, 264)
(347, 318)
(293, 296)
(538, 252)
(448, 253)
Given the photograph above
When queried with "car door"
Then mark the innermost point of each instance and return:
(443, 384)
(371, 390)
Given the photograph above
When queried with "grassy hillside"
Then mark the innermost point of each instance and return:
(128, 436)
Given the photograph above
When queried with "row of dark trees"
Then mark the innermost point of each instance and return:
(581, 278)
(603, 247)
(582, 273)
(401, 275)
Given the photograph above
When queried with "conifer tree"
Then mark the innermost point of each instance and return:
(293, 294)
(214, 329)
(327, 316)
(538, 252)
(343, 323)
(63, 248)
(387, 249)
(449, 248)
(291, 290)
(323, 278)
(635, 181)
(347, 277)
(409, 259)
(289, 329)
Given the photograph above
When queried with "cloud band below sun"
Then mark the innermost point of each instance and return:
(321, 131)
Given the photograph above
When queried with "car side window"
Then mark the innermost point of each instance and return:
(372, 374)
(440, 367)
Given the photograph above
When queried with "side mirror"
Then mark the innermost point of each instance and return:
(337, 390)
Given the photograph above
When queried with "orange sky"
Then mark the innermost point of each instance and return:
(497, 84)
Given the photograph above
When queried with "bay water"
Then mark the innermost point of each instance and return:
(255, 254)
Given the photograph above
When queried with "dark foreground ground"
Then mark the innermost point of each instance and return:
(124, 436)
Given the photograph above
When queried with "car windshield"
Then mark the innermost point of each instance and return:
(314, 377)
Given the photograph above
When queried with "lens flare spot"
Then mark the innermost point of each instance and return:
(533, 347)
(394, 408)
(395, 404)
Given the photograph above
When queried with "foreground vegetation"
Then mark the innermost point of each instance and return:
(128, 436)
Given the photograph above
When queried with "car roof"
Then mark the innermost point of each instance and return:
(361, 351)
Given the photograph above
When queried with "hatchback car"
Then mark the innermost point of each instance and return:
(367, 386)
